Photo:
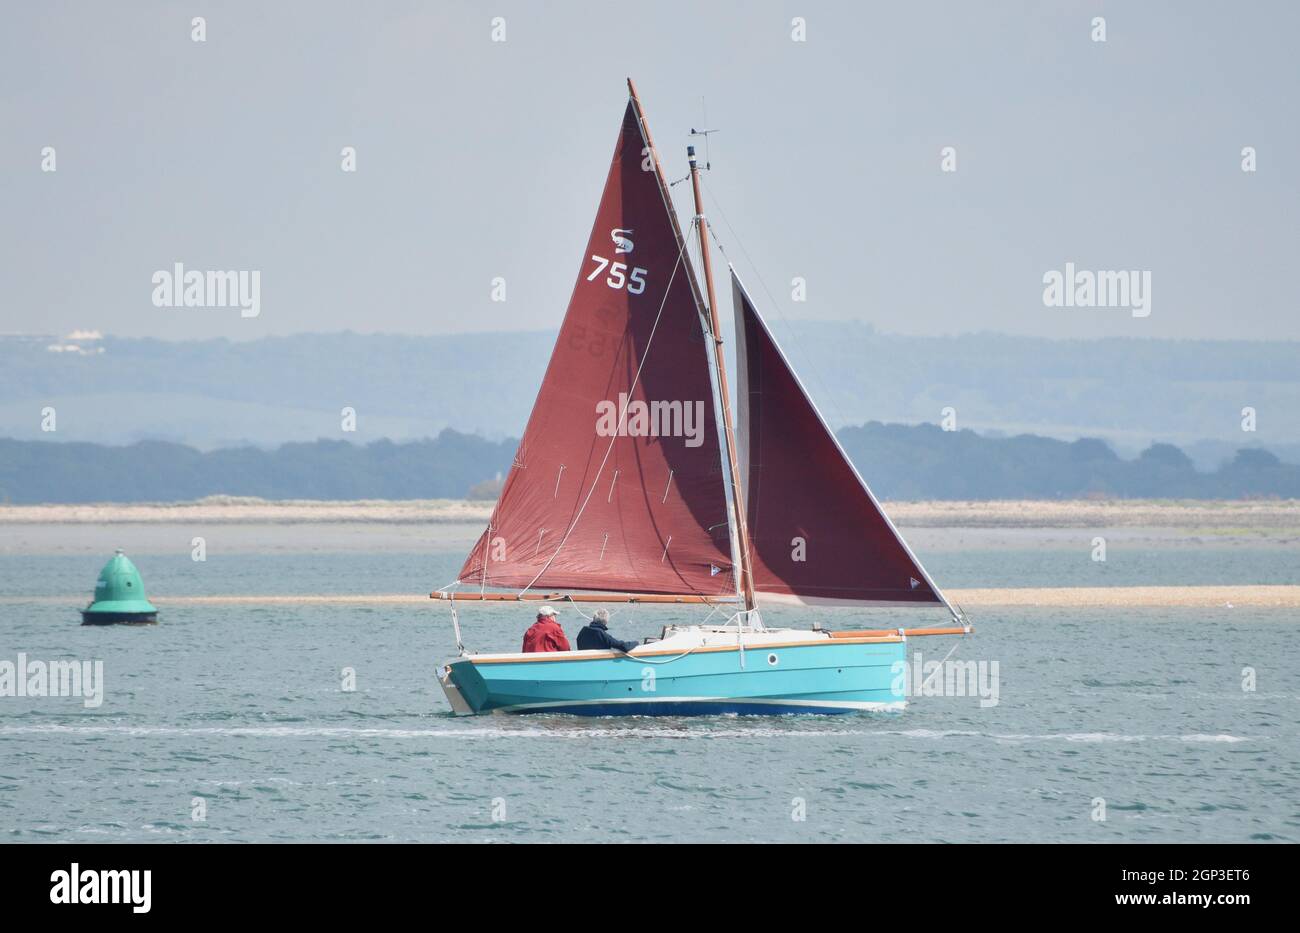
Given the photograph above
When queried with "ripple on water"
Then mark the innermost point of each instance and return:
(1155, 727)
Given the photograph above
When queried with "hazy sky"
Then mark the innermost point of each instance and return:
(479, 159)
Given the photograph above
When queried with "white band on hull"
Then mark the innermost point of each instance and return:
(686, 704)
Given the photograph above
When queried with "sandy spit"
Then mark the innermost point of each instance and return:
(1129, 597)
(1113, 513)
(1244, 515)
(1118, 597)
(241, 510)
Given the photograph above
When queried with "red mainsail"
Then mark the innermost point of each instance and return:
(817, 534)
(617, 484)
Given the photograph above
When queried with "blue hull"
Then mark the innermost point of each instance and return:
(827, 677)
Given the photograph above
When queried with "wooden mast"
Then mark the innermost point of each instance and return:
(738, 497)
(719, 356)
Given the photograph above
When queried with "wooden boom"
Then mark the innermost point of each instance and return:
(673, 598)
(909, 632)
(582, 597)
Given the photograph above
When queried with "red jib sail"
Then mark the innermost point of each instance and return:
(617, 484)
(817, 534)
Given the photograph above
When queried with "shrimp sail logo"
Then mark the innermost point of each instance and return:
(622, 240)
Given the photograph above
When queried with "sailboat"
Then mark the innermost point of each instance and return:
(634, 483)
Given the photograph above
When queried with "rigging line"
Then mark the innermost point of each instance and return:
(578, 609)
(455, 627)
(758, 274)
(678, 657)
(681, 251)
(949, 654)
(704, 111)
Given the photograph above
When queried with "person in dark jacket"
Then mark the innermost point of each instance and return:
(595, 635)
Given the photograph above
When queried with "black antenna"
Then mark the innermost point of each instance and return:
(708, 162)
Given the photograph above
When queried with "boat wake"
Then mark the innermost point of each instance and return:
(629, 731)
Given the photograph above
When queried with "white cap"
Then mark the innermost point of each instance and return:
(546, 611)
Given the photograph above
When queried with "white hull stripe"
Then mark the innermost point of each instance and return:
(711, 701)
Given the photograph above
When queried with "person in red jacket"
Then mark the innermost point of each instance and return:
(545, 634)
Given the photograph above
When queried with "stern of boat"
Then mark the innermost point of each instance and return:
(459, 705)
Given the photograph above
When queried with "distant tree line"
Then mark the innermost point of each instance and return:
(270, 390)
(444, 467)
(899, 461)
(925, 462)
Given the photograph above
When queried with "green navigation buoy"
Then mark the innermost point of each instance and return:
(119, 596)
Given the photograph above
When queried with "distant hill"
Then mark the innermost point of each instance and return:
(899, 461)
(155, 471)
(220, 393)
(217, 393)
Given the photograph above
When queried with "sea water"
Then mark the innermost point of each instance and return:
(311, 721)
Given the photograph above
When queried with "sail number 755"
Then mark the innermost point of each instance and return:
(619, 276)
